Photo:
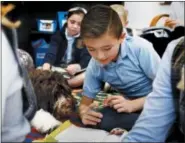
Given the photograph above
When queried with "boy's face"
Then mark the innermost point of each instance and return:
(105, 48)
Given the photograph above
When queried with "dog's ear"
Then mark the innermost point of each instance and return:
(65, 89)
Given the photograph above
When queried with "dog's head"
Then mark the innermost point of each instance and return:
(53, 93)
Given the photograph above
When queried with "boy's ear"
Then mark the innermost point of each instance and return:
(122, 37)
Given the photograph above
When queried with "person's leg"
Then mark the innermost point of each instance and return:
(112, 119)
(77, 81)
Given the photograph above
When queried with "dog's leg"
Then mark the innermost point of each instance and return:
(43, 121)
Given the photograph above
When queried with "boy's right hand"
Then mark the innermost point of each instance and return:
(89, 116)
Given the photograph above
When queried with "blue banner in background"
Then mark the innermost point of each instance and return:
(40, 48)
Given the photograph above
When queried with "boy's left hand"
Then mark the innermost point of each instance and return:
(119, 103)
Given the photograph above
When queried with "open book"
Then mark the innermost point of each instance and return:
(68, 132)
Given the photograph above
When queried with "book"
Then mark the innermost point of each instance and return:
(68, 132)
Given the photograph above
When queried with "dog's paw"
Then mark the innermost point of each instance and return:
(43, 121)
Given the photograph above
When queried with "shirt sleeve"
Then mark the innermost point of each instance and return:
(158, 114)
(92, 82)
(14, 125)
(149, 59)
(10, 73)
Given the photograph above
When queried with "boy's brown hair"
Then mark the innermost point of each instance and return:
(99, 20)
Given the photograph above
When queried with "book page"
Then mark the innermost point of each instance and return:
(79, 134)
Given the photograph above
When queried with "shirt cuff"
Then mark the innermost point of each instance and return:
(89, 94)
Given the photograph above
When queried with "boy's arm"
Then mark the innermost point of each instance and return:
(87, 113)
(137, 104)
(92, 85)
(85, 102)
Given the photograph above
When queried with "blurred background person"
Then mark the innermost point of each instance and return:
(176, 15)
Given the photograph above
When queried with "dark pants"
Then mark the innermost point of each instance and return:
(112, 119)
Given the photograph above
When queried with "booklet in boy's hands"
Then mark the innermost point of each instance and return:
(68, 132)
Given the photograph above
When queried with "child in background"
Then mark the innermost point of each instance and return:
(123, 15)
(128, 64)
(66, 48)
(176, 15)
(122, 12)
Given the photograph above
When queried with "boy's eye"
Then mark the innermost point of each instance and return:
(107, 49)
(91, 50)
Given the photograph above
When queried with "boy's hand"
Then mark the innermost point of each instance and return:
(89, 116)
(119, 103)
(73, 68)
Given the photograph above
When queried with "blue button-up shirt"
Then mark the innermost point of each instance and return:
(132, 74)
(158, 114)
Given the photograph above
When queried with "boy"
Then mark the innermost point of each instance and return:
(128, 64)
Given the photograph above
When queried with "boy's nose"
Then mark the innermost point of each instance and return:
(101, 56)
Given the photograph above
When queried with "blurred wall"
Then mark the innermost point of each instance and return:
(141, 13)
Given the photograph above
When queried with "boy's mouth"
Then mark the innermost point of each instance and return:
(104, 62)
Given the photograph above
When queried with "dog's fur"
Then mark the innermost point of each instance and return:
(53, 96)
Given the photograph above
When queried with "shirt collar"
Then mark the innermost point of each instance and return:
(123, 48)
